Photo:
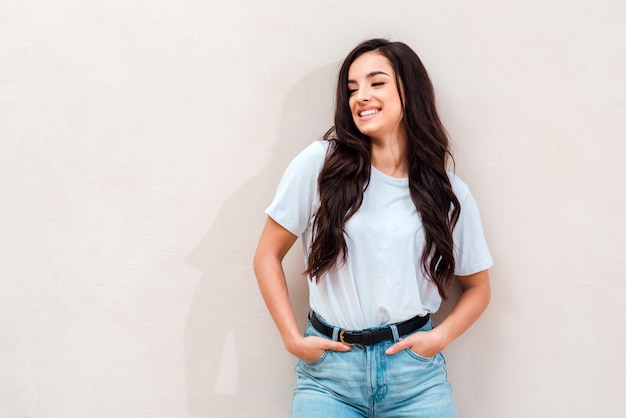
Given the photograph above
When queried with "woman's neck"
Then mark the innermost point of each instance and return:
(390, 156)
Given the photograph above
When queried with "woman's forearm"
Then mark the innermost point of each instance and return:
(468, 308)
(273, 286)
(274, 243)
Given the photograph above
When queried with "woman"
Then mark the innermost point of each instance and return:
(385, 230)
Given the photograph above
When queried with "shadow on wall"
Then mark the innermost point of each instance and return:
(235, 362)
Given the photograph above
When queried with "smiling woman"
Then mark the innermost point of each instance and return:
(374, 100)
(385, 229)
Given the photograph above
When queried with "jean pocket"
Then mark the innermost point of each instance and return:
(312, 332)
(416, 356)
(318, 361)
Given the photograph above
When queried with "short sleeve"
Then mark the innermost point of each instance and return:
(471, 251)
(296, 198)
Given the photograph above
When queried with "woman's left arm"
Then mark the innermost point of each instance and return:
(471, 304)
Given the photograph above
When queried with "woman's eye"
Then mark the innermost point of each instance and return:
(351, 91)
(377, 84)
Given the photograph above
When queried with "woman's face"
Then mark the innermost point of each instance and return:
(374, 100)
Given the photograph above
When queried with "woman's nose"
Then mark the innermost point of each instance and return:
(363, 95)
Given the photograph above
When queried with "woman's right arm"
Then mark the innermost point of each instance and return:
(273, 245)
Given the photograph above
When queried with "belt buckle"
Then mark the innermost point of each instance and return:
(343, 331)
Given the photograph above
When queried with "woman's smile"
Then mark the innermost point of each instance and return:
(368, 114)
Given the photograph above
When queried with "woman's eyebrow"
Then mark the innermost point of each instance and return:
(370, 75)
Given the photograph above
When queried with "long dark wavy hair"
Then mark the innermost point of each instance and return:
(346, 171)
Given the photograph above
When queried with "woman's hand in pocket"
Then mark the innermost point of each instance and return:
(424, 343)
(312, 348)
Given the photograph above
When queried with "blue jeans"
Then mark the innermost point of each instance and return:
(367, 383)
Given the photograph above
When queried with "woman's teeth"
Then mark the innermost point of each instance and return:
(368, 112)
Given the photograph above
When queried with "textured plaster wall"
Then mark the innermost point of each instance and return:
(140, 142)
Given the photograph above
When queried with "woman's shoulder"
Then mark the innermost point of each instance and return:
(309, 161)
(313, 155)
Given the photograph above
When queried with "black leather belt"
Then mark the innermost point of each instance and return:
(370, 335)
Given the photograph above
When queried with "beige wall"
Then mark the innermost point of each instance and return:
(140, 142)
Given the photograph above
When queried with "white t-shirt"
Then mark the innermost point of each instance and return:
(382, 280)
